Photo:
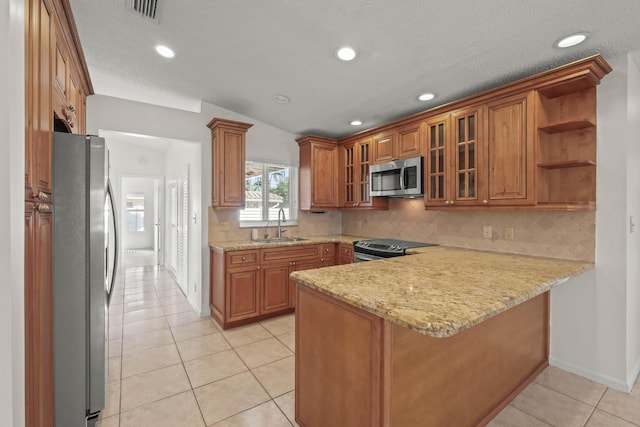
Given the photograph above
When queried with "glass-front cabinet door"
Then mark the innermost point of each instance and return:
(364, 163)
(437, 191)
(467, 155)
(349, 165)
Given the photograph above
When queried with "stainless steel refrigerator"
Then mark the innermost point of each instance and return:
(83, 277)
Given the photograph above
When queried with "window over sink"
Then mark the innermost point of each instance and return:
(269, 187)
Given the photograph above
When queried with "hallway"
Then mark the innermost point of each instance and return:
(170, 367)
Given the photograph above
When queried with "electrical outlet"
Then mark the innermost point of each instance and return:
(508, 233)
(225, 226)
(487, 232)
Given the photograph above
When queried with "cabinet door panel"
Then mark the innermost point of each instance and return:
(324, 167)
(510, 150)
(437, 162)
(383, 148)
(242, 294)
(234, 156)
(275, 288)
(467, 155)
(409, 141)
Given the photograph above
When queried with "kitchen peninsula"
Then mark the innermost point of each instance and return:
(445, 336)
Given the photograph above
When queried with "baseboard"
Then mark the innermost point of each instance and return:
(635, 371)
(612, 382)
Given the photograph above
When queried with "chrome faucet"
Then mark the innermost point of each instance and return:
(280, 230)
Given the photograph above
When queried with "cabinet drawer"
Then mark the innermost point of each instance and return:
(290, 253)
(328, 249)
(346, 250)
(242, 258)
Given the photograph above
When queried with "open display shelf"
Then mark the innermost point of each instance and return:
(566, 151)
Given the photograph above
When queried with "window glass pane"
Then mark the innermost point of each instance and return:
(278, 178)
(461, 187)
(253, 180)
(269, 188)
(135, 212)
(472, 128)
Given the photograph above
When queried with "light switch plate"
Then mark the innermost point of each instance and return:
(487, 232)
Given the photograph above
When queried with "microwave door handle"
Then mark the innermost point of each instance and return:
(402, 178)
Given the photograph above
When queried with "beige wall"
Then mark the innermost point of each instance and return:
(568, 235)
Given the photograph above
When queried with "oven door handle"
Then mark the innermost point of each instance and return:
(360, 257)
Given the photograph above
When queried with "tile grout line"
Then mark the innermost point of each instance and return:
(272, 399)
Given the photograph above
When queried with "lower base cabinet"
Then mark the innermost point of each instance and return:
(354, 368)
(251, 285)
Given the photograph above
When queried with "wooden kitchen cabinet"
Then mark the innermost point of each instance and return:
(250, 285)
(328, 253)
(355, 162)
(243, 288)
(345, 255)
(228, 139)
(234, 286)
(53, 59)
(453, 167)
(318, 176)
(398, 143)
(510, 150)
(529, 145)
(566, 137)
(384, 149)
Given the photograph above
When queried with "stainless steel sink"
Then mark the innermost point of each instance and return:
(281, 240)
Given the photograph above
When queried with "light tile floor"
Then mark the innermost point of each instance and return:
(170, 367)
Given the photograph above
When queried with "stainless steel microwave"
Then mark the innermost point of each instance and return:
(400, 178)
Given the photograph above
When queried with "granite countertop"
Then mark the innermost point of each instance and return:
(241, 245)
(440, 291)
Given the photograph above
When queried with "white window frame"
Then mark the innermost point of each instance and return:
(292, 219)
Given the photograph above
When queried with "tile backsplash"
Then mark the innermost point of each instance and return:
(309, 224)
(567, 235)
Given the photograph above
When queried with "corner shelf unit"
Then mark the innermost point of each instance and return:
(566, 146)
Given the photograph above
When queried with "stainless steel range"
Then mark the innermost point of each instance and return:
(370, 250)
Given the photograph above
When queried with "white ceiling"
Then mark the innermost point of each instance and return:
(238, 54)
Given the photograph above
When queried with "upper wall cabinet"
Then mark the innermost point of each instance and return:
(530, 144)
(355, 161)
(318, 173)
(399, 143)
(454, 162)
(510, 150)
(228, 140)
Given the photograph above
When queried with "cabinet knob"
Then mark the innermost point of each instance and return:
(326, 249)
(485, 202)
(446, 202)
(43, 208)
(321, 259)
(258, 268)
(452, 203)
(42, 196)
(293, 263)
(244, 258)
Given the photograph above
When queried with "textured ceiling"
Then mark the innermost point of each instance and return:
(238, 54)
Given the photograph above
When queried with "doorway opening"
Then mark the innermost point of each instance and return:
(141, 201)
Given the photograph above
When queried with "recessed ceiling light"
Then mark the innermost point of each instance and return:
(571, 40)
(355, 122)
(426, 97)
(346, 53)
(165, 51)
(281, 99)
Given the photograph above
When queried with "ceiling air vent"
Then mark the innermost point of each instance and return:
(146, 8)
